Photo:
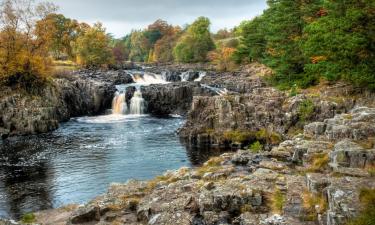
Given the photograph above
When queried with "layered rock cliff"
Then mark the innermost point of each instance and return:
(76, 95)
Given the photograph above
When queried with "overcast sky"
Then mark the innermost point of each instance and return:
(121, 16)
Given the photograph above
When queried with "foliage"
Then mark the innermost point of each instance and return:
(237, 136)
(267, 136)
(119, 52)
(341, 43)
(256, 147)
(277, 201)
(92, 47)
(313, 204)
(367, 214)
(24, 60)
(59, 32)
(28, 218)
(306, 110)
(222, 58)
(195, 43)
(303, 41)
(319, 162)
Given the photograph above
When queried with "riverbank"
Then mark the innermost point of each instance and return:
(315, 177)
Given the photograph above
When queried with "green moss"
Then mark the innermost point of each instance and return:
(237, 136)
(306, 110)
(367, 214)
(256, 147)
(28, 218)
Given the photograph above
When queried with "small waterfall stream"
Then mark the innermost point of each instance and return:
(137, 103)
(119, 105)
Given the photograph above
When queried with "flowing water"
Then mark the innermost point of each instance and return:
(84, 156)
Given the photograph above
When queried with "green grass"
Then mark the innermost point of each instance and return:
(277, 201)
(256, 147)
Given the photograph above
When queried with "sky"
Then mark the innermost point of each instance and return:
(121, 16)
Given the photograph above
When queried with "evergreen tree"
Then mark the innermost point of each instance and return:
(341, 44)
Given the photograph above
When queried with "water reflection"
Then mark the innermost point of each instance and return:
(78, 161)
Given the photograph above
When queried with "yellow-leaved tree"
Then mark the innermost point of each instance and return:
(92, 47)
(24, 59)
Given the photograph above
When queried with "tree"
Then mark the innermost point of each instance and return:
(340, 43)
(24, 57)
(222, 58)
(119, 52)
(139, 47)
(163, 48)
(60, 32)
(252, 41)
(92, 47)
(195, 43)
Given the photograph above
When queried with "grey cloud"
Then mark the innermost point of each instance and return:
(120, 17)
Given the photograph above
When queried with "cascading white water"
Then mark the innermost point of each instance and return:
(201, 75)
(119, 105)
(137, 103)
(184, 76)
(148, 78)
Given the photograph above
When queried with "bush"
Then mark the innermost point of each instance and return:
(277, 201)
(306, 110)
(367, 214)
(28, 218)
(256, 147)
(237, 136)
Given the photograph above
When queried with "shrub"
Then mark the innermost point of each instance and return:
(367, 214)
(319, 162)
(237, 136)
(28, 218)
(306, 110)
(256, 147)
(270, 137)
(310, 203)
(277, 201)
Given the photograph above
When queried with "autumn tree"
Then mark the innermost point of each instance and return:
(195, 43)
(60, 32)
(92, 47)
(23, 51)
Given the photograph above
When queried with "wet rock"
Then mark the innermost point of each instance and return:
(22, 114)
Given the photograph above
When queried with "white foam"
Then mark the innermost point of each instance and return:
(112, 118)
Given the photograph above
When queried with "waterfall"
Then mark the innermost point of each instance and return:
(185, 76)
(201, 75)
(137, 103)
(145, 78)
(119, 105)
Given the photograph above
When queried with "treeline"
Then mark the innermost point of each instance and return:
(33, 35)
(305, 41)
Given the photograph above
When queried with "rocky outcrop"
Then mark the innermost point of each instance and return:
(23, 114)
(261, 109)
(173, 98)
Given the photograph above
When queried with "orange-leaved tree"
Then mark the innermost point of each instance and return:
(24, 57)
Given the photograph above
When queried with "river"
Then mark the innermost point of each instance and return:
(84, 156)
